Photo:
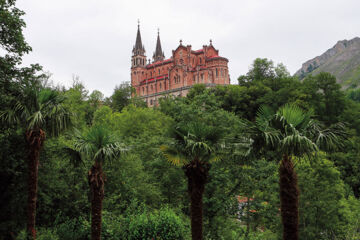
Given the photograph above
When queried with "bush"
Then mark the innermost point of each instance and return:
(164, 225)
(42, 234)
(75, 229)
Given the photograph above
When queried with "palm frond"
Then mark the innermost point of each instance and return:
(331, 138)
(36, 120)
(174, 156)
(291, 114)
(98, 144)
(297, 144)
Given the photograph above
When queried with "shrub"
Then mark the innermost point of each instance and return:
(164, 225)
(42, 234)
(75, 229)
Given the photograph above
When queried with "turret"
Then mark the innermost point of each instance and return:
(138, 61)
(158, 54)
(138, 58)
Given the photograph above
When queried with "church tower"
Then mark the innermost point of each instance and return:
(158, 54)
(138, 59)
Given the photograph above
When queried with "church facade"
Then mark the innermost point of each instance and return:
(177, 74)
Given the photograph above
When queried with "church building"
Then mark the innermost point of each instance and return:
(175, 75)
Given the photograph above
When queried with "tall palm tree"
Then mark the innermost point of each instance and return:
(292, 132)
(98, 145)
(195, 146)
(38, 111)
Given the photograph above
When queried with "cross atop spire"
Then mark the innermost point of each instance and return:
(139, 47)
(158, 54)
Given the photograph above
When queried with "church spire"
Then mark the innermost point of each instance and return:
(138, 48)
(159, 54)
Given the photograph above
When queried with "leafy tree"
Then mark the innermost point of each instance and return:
(325, 211)
(98, 145)
(76, 102)
(11, 39)
(353, 94)
(325, 97)
(95, 101)
(261, 69)
(38, 111)
(121, 96)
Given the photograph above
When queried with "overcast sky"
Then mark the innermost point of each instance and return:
(94, 38)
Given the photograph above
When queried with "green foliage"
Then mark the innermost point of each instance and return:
(75, 101)
(143, 179)
(98, 144)
(353, 94)
(42, 234)
(13, 182)
(164, 224)
(75, 229)
(121, 96)
(12, 39)
(325, 211)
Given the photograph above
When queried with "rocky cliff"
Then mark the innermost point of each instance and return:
(342, 60)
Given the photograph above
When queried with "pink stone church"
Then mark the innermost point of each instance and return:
(177, 74)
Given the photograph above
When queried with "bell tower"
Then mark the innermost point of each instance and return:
(138, 59)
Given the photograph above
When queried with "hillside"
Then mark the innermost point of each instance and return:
(342, 60)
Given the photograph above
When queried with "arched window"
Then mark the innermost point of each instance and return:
(160, 86)
(217, 74)
(150, 74)
(200, 60)
(151, 102)
(159, 71)
(143, 90)
(151, 87)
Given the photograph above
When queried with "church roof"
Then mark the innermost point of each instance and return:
(157, 63)
(215, 57)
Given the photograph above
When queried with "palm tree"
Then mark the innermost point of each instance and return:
(195, 146)
(98, 145)
(38, 111)
(292, 133)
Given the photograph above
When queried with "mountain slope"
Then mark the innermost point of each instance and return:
(342, 60)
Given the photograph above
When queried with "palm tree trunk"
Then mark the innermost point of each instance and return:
(96, 182)
(35, 140)
(197, 176)
(289, 199)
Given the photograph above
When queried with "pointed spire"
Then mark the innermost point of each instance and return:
(138, 48)
(159, 54)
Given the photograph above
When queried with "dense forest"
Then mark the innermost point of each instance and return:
(271, 157)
